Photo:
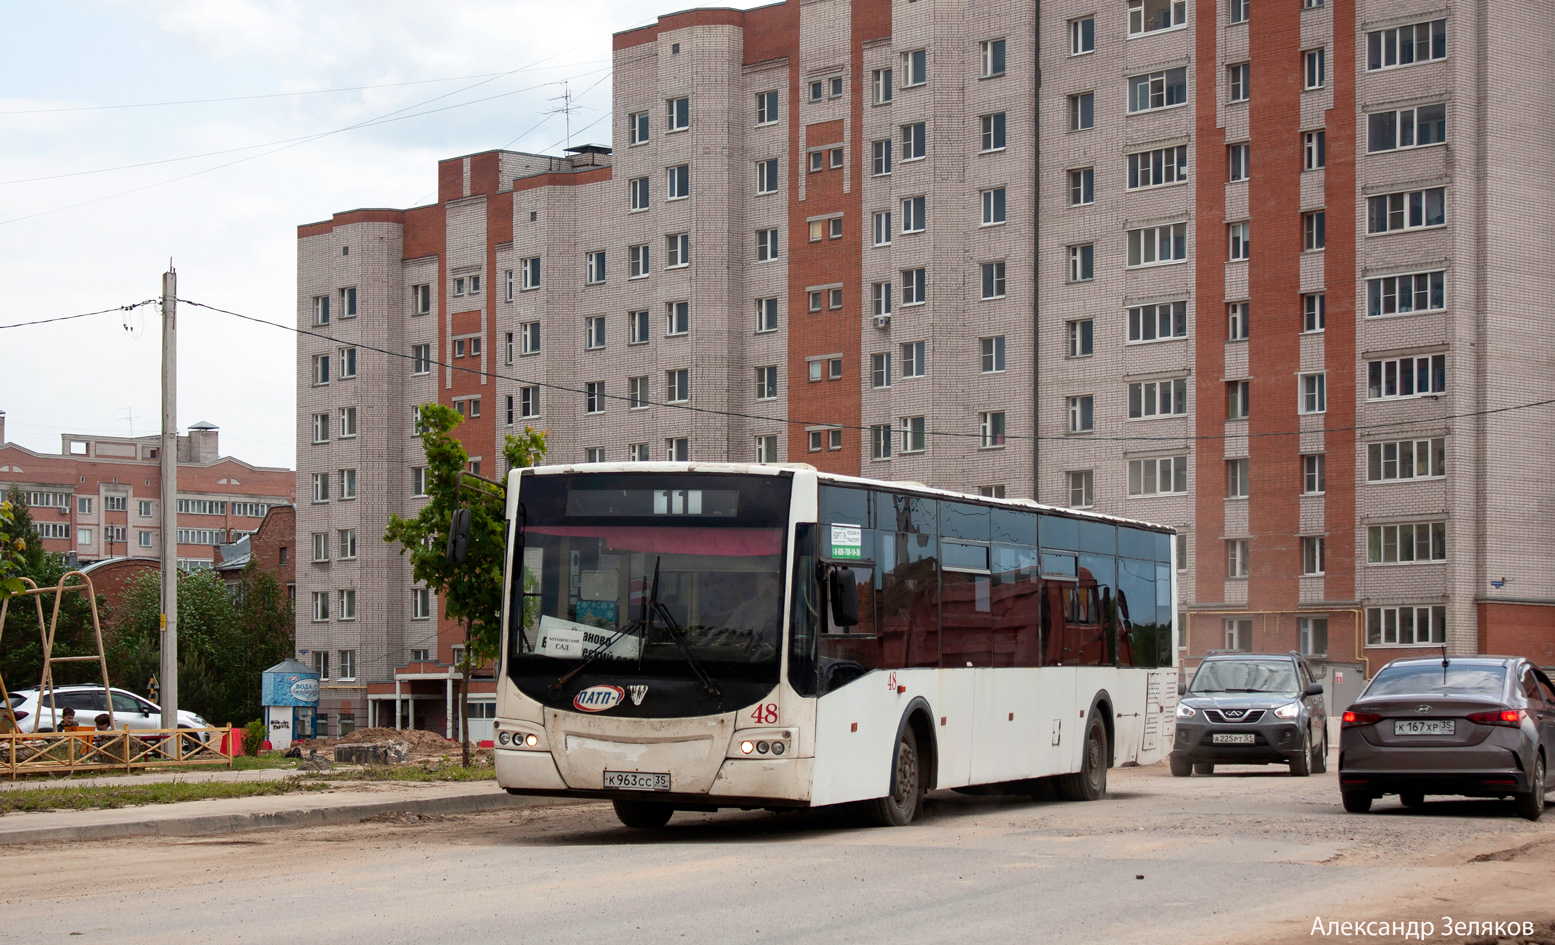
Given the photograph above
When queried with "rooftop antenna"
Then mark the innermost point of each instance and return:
(566, 109)
(129, 417)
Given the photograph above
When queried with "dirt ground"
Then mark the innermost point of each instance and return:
(423, 744)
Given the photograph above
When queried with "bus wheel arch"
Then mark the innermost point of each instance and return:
(921, 718)
(915, 733)
(1102, 703)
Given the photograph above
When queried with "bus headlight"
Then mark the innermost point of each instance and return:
(747, 747)
(530, 741)
(504, 738)
(777, 748)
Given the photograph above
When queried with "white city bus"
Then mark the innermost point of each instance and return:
(694, 636)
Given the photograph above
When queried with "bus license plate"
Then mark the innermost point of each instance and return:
(637, 781)
(1233, 739)
(1424, 727)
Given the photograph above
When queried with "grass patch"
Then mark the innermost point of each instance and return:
(130, 795)
(423, 771)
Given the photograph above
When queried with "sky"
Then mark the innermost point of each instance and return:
(111, 165)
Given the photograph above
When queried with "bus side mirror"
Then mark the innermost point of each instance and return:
(458, 536)
(844, 597)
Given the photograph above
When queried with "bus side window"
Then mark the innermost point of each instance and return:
(847, 653)
(805, 613)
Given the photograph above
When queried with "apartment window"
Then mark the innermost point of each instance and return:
(1238, 399)
(529, 402)
(529, 338)
(421, 358)
(993, 132)
(1154, 90)
(1314, 230)
(881, 150)
(836, 86)
(915, 68)
(1237, 473)
(1418, 127)
(677, 385)
(880, 370)
(1082, 187)
(1082, 36)
(594, 332)
(1397, 378)
(1239, 81)
(460, 282)
(679, 182)
(1236, 560)
(817, 90)
(767, 107)
(767, 449)
(1082, 413)
(767, 383)
(529, 273)
(1239, 10)
(637, 396)
(143, 508)
(1314, 150)
(1238, 634)
(834, 156)
(914, 214)
(914, 286)
(347, 423)
(347, 483)
(1149, 16)
(118, 503)
(458, 347)
(1082, 488)
(1157, 245)
(914, 434)
(1163, 475)
(677, 318)
(347, 539)
(1314, 311)
(1314, 393)
(834, 298)
(320, 614)
(594, 454)
(347, 612)
(766, 316)
(815, 300)
(1315, 68)
(507, 282)
(834, 228)
(1240, 236)
(914, 141)
(1406, 45)
(321, 310)
(992, 354)
(321, 428)
(677, 449)
(144, 539)
(84, 536)
(881, 80)
(993, 206)
(990, 429)
(420, 609)
(1158, 168)
(1314, 474)
(637, 128)
(1408, 210)
(882, 227)
(639, 193)
(993, 280)
(880, 294)
(914, 359)
(817, 161)
(816, 440)
(1082, 262)
(1405, 543)
(1405, 460)
(834, 439)
(880, 441)
(1079, 337)
(992, 57)
(1406, 626)
(421, 299)
(321, 487)
(766, 245)
(418, 481)
(677, 250)
(594, 397)
(320, 369)
(1161, 321)
(767, 176)
(1082, 111)
(1239, 161)
(1150, 399)
(594, 273)
(679, 113)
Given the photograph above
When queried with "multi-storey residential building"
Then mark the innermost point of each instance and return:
(101, 496)
(1006, 248)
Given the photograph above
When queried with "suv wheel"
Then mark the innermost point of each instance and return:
(1182, 766)
(1301, 765)
(1320, 758)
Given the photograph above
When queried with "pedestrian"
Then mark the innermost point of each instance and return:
(103, 722)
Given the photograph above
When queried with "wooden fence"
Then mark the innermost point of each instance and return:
(88, 750)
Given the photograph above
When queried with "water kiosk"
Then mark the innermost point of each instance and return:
(290, 694)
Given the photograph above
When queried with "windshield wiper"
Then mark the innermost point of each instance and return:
(644, 622)
(678, 634)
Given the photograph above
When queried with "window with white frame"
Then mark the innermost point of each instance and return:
(1082, 36)
(1082, 488)
(1314, 474)
(914, 359)
(1406, 543)
(880, 157)
(347, 423)
(880, 80)
(915, 67)
(1314, 150)
(1314, 311)
(1160, 321)
(1314, 231)
(594, 397)
(767, 107)
(1237, 478)
(1159, 167)
(421, 359)
(880, 370)
(679, 186)
(1238, 633)
(914, 286)
(1239, 77)
(990, 429)
(914, 434)
(347, 608)
(1421, 126)
(677, 449)
(320, 609)
(1313, 631)
(677, 318)
(1082, 186)
(1157, 245)
(1406, 625)
(639, 193)
(1079, 338)
(1406, 45)
(594, 332)
(1315, 68)
(347, 480)
(1239, 11)
(347, 363)
(880, 441)
(1406, 460)
(677, 385)
(992, 354)
(914, 141)
(1165, 398)
(1240, 237)
(1236, 558)
(529, 402)
(993, 280)
(766, 315)
(594, 271)
(529, 338)
(529, 273)
(347, 543)
(679, 113)
(320, 370)
(1237, 315)
(1239, 161)
(767, 382)
(637, 128)
(677, 250)
(1156, 90)
(767, 448)
(881, 225)
(1410, 376)
(1406, 294)
(1081, 412)
(637, 394)
(321, 310)
(1238, 399)
(1082, 262)
(880, 298)
(1162, 475)
(320, 487)
(993, 201)
(914, 214)
(1314, 392)
(767, 176)
(1082, 111)
(1150, 16)
(766, 245)
(993, 128)
(321, 428)
(991, 57)
(1407, 210)
(144, 508)
(421, 299)
(1314, 555)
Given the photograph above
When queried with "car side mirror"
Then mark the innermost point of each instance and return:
(1182, 689)
(844, 597)
(1313, 689)
(145, 711)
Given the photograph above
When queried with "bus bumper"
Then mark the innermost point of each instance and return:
(786, 778)
(535, 770)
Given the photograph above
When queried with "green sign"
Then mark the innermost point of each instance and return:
(847, 541)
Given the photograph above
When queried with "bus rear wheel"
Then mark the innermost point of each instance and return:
(906, 799)
(1091, 781)
(643, 815)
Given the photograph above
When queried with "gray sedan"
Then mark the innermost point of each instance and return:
(1469, 726)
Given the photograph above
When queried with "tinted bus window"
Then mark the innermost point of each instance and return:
(1058, 532)
(1012, 527)
(963, 520)
(902, 513)
(908, 605)
(1136, 543)
(844, 506)
(805, 622)
(1099, 537)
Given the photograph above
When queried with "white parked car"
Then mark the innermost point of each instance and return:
(128, 709)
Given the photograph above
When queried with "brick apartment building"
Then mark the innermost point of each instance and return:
(1263, 273)
(101, 496)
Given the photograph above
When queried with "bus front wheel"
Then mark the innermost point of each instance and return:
(906, 799)
(1091, 781)
(643, 815)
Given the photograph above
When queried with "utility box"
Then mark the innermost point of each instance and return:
(289, 692)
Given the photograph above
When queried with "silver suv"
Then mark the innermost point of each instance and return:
(1251, 709)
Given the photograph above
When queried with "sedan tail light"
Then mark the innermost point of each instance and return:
(1361, 718)
(1511, 718)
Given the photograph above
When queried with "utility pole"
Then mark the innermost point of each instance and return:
(169, 455)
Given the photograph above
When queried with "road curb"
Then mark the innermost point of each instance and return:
(322, 816)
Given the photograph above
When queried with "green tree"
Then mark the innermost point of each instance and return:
(21, 639)
(471, 592)
(20, 549)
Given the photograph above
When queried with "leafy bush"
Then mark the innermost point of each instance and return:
(254, 735)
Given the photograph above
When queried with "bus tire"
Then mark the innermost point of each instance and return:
(905, 802)
(1090, 783)
(643, 815)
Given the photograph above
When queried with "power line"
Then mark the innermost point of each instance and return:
(562, 388)
(66, 318)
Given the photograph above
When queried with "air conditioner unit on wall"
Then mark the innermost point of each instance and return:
(882, 321)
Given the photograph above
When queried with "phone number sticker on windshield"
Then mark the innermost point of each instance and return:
(847, 541)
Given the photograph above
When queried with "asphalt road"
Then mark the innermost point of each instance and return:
(1249, 857)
